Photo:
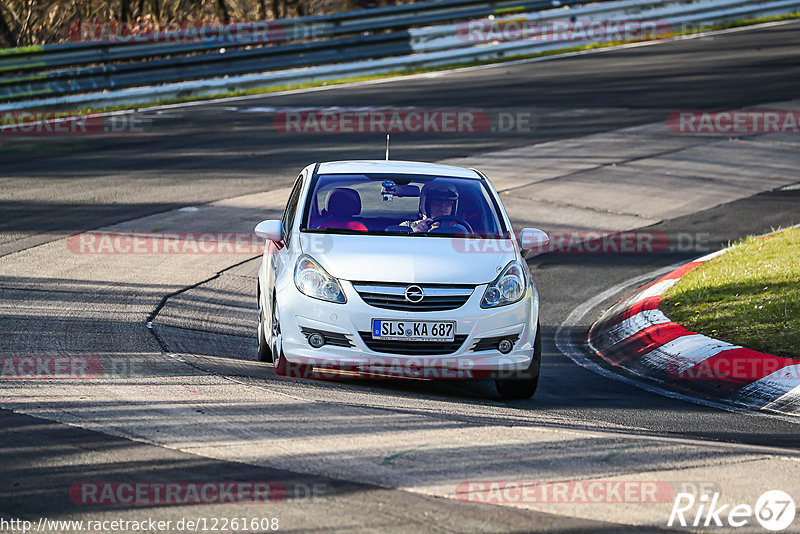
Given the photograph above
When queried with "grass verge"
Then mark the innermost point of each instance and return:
(749, 296)
(422, 70)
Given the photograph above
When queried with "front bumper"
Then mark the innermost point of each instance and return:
(300, 314)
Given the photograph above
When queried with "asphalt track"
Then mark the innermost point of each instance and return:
(53, 187)
(196, 154)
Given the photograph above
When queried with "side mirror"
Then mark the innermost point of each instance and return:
(533, 238)
(271, 229)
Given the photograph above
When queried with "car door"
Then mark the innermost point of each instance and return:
(279, 257)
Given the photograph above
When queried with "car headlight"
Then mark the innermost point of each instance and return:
(313, 281)
(507, 288)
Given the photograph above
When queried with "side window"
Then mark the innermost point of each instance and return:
(291, 208)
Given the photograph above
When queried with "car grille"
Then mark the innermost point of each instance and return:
(490, 343)
(331, 338)
(412, 347)
(436, 297)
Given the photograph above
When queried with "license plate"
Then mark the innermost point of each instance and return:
(413, 330)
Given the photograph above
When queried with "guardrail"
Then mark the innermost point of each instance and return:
(114, 69)
(207, 39)
(664, 16)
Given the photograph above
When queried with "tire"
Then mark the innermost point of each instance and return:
(291, 370)
(524, 385)
(281, 367)
(264, 352)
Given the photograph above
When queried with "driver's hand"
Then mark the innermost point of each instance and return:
(422, 226)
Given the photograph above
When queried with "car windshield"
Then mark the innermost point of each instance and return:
(406, 205)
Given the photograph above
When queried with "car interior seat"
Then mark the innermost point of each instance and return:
(342, 206)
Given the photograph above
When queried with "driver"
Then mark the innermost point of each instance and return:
(437, 199)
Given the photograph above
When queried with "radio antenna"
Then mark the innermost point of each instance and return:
(387, 147)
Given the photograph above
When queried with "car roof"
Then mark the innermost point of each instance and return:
(395, 167)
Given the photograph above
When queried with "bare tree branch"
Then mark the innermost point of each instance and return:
(51, 21)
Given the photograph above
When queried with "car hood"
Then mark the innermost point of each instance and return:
(432, 260)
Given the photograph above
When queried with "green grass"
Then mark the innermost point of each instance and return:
(749, 296)
(421, 70)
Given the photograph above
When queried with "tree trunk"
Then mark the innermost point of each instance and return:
(6, 33)
(125, 10)
(222, 12)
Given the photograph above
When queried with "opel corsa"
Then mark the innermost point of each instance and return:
(380, 264)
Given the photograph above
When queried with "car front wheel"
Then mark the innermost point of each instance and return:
(281, 367)
(264, 352)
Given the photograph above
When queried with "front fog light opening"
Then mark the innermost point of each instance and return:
(505, 346)
(316, 340)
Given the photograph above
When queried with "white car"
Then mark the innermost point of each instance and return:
(381, 266)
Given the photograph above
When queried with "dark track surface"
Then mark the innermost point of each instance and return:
(306, 503)
(56, 186)
(566, 390)
(200, 153)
